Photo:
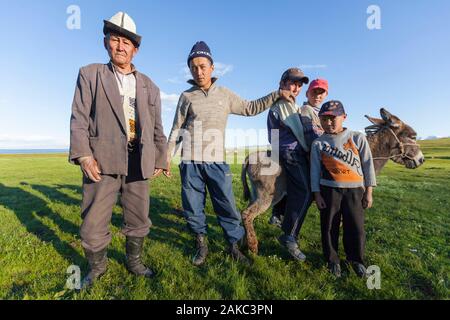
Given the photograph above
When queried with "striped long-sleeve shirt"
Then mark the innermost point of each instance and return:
(342, 160)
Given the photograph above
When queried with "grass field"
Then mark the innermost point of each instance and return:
(407, 237)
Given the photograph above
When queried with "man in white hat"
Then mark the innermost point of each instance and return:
(117, 138)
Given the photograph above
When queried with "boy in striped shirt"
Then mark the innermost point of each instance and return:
(342, 178)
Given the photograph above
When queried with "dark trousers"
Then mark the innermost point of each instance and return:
(99, 198)
(279, 209)
(196, 179)
(299, 198)
(348, 203)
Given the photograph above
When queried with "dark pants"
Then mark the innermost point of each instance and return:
(348, 203)
(279, 209)
(299, 198)
(99, 199)
(196, 178)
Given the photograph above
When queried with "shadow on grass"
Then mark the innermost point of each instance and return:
(23, 204)
(168, 231)
(29, 208)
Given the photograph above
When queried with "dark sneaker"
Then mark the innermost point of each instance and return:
(237, 255)
(359, 269)
(293, 249)
(335, 269)
(275, 220)
(202, 250)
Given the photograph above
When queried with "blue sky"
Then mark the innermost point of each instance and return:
(404, 66)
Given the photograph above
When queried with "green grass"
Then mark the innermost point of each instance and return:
(407, 237)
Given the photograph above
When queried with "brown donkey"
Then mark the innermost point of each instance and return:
(389, 138)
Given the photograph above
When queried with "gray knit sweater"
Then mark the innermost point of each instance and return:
(201, 118)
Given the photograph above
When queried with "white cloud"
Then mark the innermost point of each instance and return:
(220, 69)
(33, 141)
(174, 80)
(186, 73)
(169, 101)
(312, 66)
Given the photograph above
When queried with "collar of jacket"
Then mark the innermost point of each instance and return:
(288, 113)
(195, 86)
(306, 103)
(113, 68)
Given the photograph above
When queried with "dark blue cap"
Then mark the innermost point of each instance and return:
(332, 108)
(200, 49)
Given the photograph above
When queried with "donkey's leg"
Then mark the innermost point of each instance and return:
(248, 217)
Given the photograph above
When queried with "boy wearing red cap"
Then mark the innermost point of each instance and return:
(342, 178)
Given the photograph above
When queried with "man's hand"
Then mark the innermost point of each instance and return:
(167, 172)
(367, 200)
(320, 202)
(90, 168)
(156, 172)
(287, 95)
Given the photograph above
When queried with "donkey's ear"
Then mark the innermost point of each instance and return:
(390, 119)
(376, 121)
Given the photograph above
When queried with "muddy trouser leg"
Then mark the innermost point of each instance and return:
(193, 196)
(98, 201)
(330, 222)
(353, 220)
(219, 182)
(299, 197)
(135, 200)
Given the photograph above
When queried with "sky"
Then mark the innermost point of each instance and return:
(403, 66)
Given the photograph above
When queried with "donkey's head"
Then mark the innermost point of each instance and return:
(394, 140)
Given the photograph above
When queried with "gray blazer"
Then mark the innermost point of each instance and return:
(97, 124)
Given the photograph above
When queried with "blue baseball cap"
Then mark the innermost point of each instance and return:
(332, 108)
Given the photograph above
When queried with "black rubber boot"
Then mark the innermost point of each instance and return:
(202, 250)
(133, 248)
(237, 255)
(98, 262)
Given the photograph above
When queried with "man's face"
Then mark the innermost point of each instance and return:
(120, 49)
(316, 96)
(294, 86)
(201, 70)
(332, 124)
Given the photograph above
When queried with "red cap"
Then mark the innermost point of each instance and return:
(319, 83)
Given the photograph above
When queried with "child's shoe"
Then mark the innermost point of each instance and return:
(335, 269)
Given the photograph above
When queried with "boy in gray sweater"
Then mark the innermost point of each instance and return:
(342, 178)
